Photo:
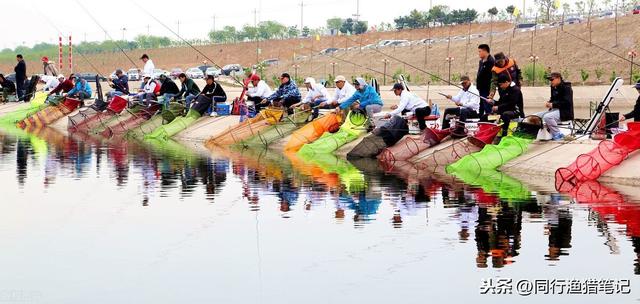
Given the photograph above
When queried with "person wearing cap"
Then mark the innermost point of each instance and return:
(344, 91)
(259, 91)
(366, 96)
(287, 93)
(507, 67)
(560, 105)
(120, 85)
(211, 94)
(467, 103)
(189, 89)
(148, 67)
(409, 102)
(483, 77)
(168, 89)
(8, 87)
(147, 93)
(635, 114)
(81, 90)
(507, 105)
(316, 94)
(48, 67)
(64, 87)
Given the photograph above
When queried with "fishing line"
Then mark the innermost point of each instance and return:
(183, 40)
(106, 33)
(601, 48)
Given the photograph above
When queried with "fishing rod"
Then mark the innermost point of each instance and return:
(601, 48)
(106, 33)
(183, 40)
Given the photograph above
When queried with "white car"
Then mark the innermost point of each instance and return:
(213, 71)
(158, 72)
(133, 74)
(194, 73)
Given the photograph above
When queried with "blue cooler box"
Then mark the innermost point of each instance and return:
(223, 109)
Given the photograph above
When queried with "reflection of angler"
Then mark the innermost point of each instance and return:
(559, 227)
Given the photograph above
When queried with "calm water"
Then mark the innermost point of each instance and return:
(88, 222)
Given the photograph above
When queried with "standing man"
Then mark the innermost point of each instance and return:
(21, 77)
(467, 103)
(560, 105)
(483, 78)
(148, 67)
(48, 67)
(409, 102)
(506, 67)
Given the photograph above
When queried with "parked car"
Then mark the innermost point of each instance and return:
(90, 77)
(328, 51)
(636, 10)
(525, 27)
(133, 74)
(572, 20)
(158, 72)
(194, 73)
(213, 71)
(203, 68)
(231, 68)
(398, 43)
(270, 62)
(11, 77)
(175, 72)
(605, 15)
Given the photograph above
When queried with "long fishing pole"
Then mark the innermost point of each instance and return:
(601, 48)
(106, 33)
(183, 40)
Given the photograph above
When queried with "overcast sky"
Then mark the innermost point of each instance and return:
(195, 16)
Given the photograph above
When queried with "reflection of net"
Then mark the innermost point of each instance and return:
(91, 118)
(246, 129)
(312, 131)
(492, 156)
(49, 115)
(495, 182)
(447, 155)
(607, 154)
(136, 125)
(406, 148)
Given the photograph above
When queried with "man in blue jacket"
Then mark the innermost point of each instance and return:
(81, 90)
(366, 97)
(286, 95)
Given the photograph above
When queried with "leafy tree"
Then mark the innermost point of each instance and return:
(306, 31)
(334, 23)
(438, 13)
(493, 12)
(360, 27)
(347, 26)
(293, 32)
(547, 7)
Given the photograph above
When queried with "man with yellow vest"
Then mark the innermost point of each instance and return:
(509, 68)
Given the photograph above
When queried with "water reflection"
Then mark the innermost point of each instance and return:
(490, 210)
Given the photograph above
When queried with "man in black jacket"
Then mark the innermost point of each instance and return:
(168, 89)
(483, 78)
(560, 105)
(21, 77)
(635, 114)
(507, 106)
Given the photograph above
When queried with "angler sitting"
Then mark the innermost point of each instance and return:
(50, 82)
(467, 102)
(189, 89)
(507, 105)
(81, 90)
(211, 94)
(286, 95)
(148, 92)
(366, 96)
(168, 89)
(344, 91)
(258, 92)
(317, 94)
(120, 85)
(635, 114)
(8, 88)
(560, 105)
(409, 103)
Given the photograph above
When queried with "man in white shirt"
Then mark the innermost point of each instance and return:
(344, 90)
(148, 67)
(467, 102)
(316, 95)
(258, 92)
(147, 93)
(409, 102)
(51, 82)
